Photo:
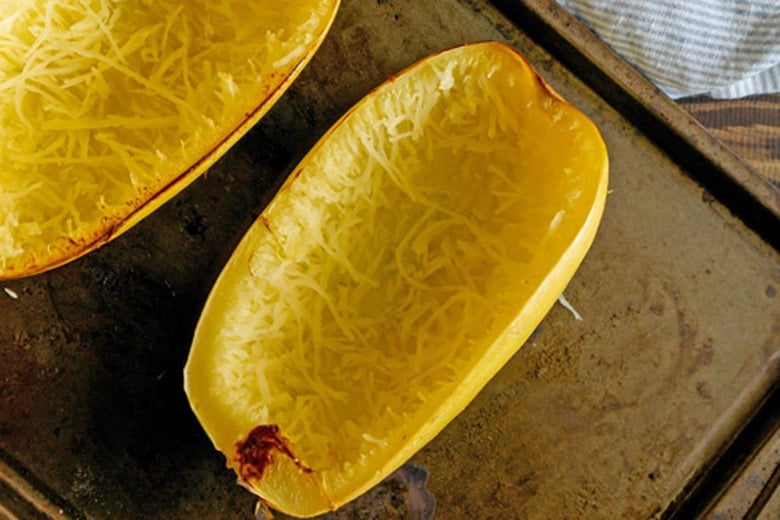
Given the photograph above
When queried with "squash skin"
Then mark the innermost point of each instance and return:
(36, 255)
(295, 487)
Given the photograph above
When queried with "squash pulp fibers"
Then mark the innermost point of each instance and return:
(405, 260)
(108, 108)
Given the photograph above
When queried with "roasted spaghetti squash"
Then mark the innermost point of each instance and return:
(405, 260)
(108, 108)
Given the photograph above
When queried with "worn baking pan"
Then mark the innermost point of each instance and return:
(670, 373)
(749, 195)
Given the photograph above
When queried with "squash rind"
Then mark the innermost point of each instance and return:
(108, 112)
(238, 376)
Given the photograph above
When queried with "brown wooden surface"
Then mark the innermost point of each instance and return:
(749, 126)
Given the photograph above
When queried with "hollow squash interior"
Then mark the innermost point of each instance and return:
(407, 257)
(109, 108)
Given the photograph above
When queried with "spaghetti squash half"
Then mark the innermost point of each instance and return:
(406, 259)
(108, 108)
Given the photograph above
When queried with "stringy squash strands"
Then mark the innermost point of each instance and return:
(411, 253)
(108, 108)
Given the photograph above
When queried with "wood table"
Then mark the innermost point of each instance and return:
(749, 126)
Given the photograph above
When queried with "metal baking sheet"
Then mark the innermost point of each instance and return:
(615, 416)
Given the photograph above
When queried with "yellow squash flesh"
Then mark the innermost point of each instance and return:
(108, 108)
(405, 260)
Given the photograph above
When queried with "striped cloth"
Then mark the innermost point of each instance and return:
(722, 48)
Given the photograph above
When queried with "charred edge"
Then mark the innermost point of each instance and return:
(254, 453)
(81, 248)
(78, 248)
(264, 220)
(547, 88)
(291, 179)
(270, 96)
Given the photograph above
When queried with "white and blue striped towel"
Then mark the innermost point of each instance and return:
(722, 48)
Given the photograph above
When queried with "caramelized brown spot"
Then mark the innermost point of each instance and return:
(264, 221)
(254, 453)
